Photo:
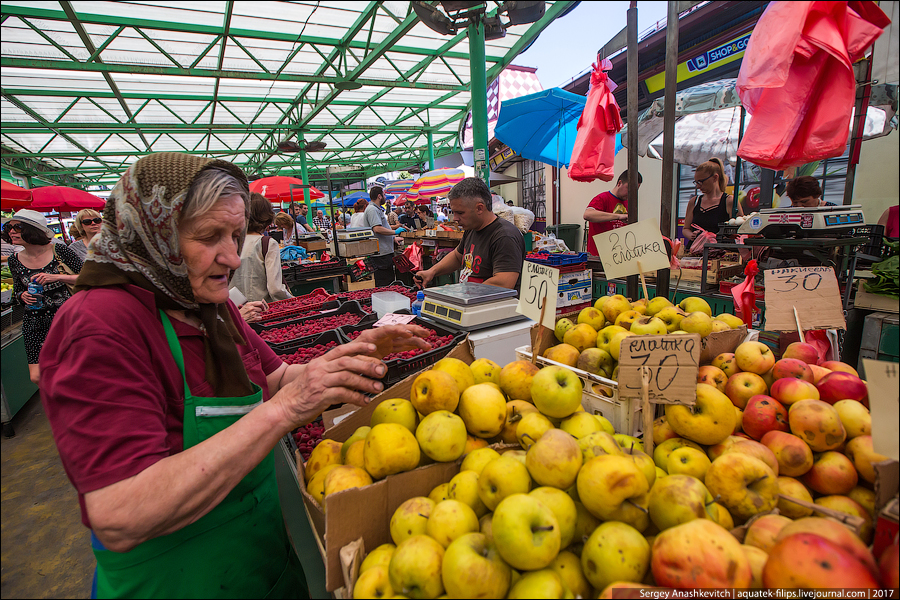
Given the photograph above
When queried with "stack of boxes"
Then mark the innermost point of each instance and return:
(575, 283)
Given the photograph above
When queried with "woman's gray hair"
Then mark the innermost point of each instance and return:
(208, 187)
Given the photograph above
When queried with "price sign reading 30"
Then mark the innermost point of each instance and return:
(540, 286)
(813, 291)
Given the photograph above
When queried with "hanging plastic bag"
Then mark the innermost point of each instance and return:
(703, 238)
(745, 294)
(595, 146)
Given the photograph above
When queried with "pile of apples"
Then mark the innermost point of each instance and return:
(574, 509)
(592, 343)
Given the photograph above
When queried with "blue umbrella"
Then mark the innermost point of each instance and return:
(541, 126)
(351, 199)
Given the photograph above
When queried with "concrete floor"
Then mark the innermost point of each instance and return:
(46, 551)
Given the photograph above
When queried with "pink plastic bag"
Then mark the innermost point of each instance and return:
(744, 294)
(797, 81)
(703, 238)
(595, 146)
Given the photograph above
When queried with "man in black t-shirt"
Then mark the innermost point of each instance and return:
(492, 249)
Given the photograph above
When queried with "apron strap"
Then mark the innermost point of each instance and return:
(175, 348)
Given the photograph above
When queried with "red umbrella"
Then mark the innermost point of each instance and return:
(63, 199)
(14, 196)
(278, 189)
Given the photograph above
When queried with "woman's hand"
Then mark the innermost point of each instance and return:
(251, 311)
(345, 374)
(45, 278)
(396, 338)
(28, 298)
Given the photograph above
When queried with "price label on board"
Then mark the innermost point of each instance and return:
(884, 404)
(622, 249)
(813, 291)
(673, 361)
(540, 286)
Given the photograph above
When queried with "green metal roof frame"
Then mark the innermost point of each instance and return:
(88, 87)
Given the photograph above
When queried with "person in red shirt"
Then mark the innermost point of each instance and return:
(890, 220)
(601, 213)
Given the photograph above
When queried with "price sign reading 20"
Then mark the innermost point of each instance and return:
(540, 286)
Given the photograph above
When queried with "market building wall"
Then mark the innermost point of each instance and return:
(877, 184)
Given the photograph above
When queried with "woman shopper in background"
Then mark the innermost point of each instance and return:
(712, 205)
(166, 407)
(87, 223)
(358, 219)
(39, 263)
(259, 276)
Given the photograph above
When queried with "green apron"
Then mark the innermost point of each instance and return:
(239, 549)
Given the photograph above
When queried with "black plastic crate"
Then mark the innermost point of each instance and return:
(260, 326)
(292, 345)
(332, 335)
(399, 369)
(368, 301)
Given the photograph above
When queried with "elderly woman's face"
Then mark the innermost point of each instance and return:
(209, 244)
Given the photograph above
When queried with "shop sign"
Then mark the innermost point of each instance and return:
(812, 291)
(501, 157)
(673, 362)
(632, 249)
(540, 286)
(723, 54)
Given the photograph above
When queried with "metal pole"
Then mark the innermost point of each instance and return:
(859, 121)
(478, 76)
(632, 115)
(737, 166)
(430, 150)
(668, 157)
(304, 176)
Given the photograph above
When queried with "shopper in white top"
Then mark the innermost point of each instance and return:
(259, 276)
(358, 218)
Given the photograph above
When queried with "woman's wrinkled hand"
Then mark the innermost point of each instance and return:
(345, 374)
(396, 338)
(251, 311)
(45, 278)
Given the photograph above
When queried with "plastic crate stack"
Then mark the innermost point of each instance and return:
(575, 280)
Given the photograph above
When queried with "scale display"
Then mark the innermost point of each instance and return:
(471, 306)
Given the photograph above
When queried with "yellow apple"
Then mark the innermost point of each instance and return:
(645, 463)
(657, 304)
(442, 436)
(605, 336)
(415, 569)
(581, 336)
(688, 461)
(502, 478)
(745, 485)
(663, 451)
(742, 386)
(626, 319)
(464, 488)
(605, 425)
(440, 493)
(713, 376)
(672, 317)
(531, 427)
(854, 417)
(613, 488)
(709, 422)
(345, 478)
(543, 583)
(477, 459)
(396, 410)
(562, 326)
(756, 450)
(459, 370)
(757, 560)
(717, 513)
(596, 361)
(449, 520)
(640, 306)
(526, 532)
(556, 392)
(410, 518)
(648, 326)
(662, 431)
(677, 499)
(727, 363)
(764, 530)
(373, 583)
(792, 488)
(327, 452)
(390, 448)
(484, 370)
(379, 557)
(359, 434)
(563, 353)
(515, 410)
(355, 456)
(860, 451)
(628, 443)
(472, 568)
(563, 507)
(754, 357)
(316, 485)
(580, 424)
(697, 322)
(568, 567)
(433, 391)
(695, 304)
(592, 317)
(615, 552)
(732, 321)
(515, 379)
(554, 460)
(615, 306)
(483, 410)
(615, 344)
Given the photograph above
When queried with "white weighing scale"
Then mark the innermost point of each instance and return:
(471, 306)
(354, 234)
(821, 221)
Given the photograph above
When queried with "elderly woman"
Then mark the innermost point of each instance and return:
(169, 440)
(285, 223)
(87, 223)
(40, 262)
(805, 192)
(259, 276)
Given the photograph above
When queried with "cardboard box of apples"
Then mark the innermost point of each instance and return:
(578, 510)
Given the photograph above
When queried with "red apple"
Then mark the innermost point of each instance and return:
(842, 386)
(836, 365)
(806, 560)
(832, 474)
(744, 385)
(802, 351)
(713, 376)
(792, 367)
(818, 372)
(764, 414)
(791, 390)
(888, 565)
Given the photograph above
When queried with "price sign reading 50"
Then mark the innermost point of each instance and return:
(539, 287)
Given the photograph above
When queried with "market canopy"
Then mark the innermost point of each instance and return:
(89, 87)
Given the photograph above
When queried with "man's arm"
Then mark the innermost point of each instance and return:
(592, 215)
(450, 263)
(505, 280)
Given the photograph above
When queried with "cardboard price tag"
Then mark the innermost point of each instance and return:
(394, 319)
(673, 360)
(622, 249)
(812, 290)
(884, 404)
(540, 286)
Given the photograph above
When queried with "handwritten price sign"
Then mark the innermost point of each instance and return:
(622, 249)
(673, 361)
(540, 286)
(812, 290)
(884, 403)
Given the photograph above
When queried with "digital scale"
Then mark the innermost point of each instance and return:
(354, 234)
(471, 306)
(822, 221)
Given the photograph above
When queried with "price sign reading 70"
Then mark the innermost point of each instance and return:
(673, 361)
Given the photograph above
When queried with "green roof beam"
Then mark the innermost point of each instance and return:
(103, 46)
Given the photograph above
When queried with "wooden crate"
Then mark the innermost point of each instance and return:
(359, 248)
(716, 271)
(352, 286)
(313, 245)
